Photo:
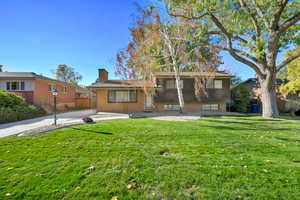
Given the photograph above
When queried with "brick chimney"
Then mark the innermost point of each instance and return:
(103, 75)
(1, 68)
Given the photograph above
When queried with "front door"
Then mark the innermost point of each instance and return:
(148, 102)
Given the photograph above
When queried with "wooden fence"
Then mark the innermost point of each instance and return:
(83, 103)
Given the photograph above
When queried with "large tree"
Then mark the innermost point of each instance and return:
(67, 74)
(254, 32)
(163, 45)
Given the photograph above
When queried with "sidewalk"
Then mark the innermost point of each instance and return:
(64, 118)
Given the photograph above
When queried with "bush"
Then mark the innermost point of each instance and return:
(20, 113)
(13, 108)
(241, 99)
(10, 100)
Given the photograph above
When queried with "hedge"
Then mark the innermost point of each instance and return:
(13, 108)
(10, 100)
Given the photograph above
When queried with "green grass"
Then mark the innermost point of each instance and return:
(213, 158)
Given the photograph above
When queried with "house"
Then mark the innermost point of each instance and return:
(129, 96)
(37, 89)
(285, 103)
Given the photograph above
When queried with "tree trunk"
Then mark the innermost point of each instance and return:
(269, 98)
(179, 90)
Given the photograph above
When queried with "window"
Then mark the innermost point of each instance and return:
(51, 88)
(210, 83)
(7, 86)
(171, 84)
(172, 107)
(210, 107)
(22, 85)
(122, 96)
(15, 86)
(217, 84)
(65, 89)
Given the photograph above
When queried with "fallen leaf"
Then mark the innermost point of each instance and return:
(91, 168)
(114, 198)
(133, 186)
(77, 188)
(10, 168)
(8, 194)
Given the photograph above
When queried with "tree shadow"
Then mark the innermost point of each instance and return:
(91, 131)
(288, 139)
(253, 125)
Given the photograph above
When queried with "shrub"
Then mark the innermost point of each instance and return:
(241, 99)
(20, 113)
(10, 100)
(13, 108)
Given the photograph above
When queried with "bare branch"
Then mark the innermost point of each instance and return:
(288, 60)
(185, 16)
(229, 46)
(236, 51)
(277, 14)
(236, 37)
(290, 22)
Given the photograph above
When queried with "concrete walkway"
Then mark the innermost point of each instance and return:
(26, 125)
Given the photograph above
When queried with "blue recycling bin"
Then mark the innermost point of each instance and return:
(254, 108)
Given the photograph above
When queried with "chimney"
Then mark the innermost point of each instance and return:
(1, 68)
(103, 75)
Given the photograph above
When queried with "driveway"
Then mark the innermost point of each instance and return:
(21, 126)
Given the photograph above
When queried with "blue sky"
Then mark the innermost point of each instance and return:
(38, 35)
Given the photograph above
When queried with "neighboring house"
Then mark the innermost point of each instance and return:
(37, 89)
(129, 96)
(285, 103)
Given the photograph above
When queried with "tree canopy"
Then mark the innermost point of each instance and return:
(292, 75)
(254, 32)
(67, 74)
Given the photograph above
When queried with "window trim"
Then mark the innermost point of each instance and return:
(213, 83)
(65, 89)
(19, 84)
(210, 105)
(221, 83)
(53, 87)
(174, 84)
(111, 102)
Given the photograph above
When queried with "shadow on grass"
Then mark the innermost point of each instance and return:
(252, 124)
(91, 131)
(258, 128)
(288, 139)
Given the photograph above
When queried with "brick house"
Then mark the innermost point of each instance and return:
(129, 96)
(37, 89)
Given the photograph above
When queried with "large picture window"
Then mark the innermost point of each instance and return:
(122, 96)
(15, 86)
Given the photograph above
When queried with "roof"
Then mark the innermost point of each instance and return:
(194, 74)
(28, 75)
(17, 75)
(121, 84)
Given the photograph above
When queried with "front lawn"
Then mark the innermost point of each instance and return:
(215, 158)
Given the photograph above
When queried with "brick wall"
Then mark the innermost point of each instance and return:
(104, 106)
(26, 95)
(43, 97)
